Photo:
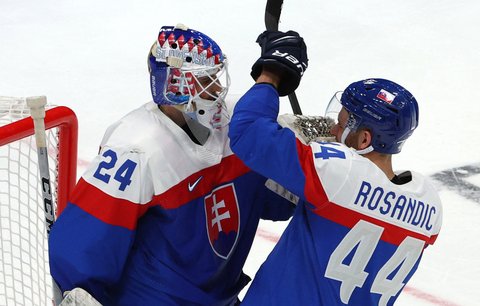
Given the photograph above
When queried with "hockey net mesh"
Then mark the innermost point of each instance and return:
(24, 270)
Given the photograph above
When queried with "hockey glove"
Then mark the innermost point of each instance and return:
(285, 53)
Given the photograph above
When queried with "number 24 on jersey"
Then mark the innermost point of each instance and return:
(107, 168)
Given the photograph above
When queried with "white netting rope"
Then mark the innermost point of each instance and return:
(24, 270)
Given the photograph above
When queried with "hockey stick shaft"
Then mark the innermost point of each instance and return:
(272, 18)
(37, 111)
(272, 14)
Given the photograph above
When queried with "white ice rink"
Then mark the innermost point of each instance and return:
(91, 56)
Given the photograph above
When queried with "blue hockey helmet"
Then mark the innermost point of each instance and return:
(386, 109)
(177, 60)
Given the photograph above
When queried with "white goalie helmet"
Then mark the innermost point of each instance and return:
(188, 70)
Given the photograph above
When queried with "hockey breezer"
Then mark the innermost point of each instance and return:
(272, 18)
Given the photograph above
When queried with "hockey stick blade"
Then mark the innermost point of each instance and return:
(273, 10)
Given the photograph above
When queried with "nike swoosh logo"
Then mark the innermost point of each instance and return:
(192, 186)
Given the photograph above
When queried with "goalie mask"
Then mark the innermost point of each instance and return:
(189, 71)
(386, 109)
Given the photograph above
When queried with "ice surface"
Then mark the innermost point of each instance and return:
(91, 56)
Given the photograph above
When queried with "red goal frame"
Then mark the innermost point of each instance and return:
(65, 120)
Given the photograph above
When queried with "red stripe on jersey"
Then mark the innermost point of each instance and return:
(392, 234)
(202, 182)
(111, 210)
(120, 212)
(314, 192)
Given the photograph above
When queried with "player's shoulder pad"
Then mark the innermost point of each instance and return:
(137, 131)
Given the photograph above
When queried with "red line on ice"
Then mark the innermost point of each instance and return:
(435, 300)
(82, 163)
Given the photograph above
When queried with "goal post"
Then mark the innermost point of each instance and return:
(24, 269)
(63, 119)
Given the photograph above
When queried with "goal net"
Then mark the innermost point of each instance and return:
(24, 269)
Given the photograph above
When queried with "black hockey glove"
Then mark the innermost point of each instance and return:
(285, 53)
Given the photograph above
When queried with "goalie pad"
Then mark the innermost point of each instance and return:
(79, 297)
(308, 128)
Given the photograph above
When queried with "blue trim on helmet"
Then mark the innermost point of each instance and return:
(158, 77)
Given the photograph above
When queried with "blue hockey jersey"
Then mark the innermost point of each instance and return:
(159, 220)
(360, 237)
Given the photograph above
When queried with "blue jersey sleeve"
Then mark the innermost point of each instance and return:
(277, 208)
(259, 141)
(91, 240)
(86, 252)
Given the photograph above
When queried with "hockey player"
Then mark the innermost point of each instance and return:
(166, 214)
(361, 236)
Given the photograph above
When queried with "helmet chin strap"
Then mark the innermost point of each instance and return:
(345, 133)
